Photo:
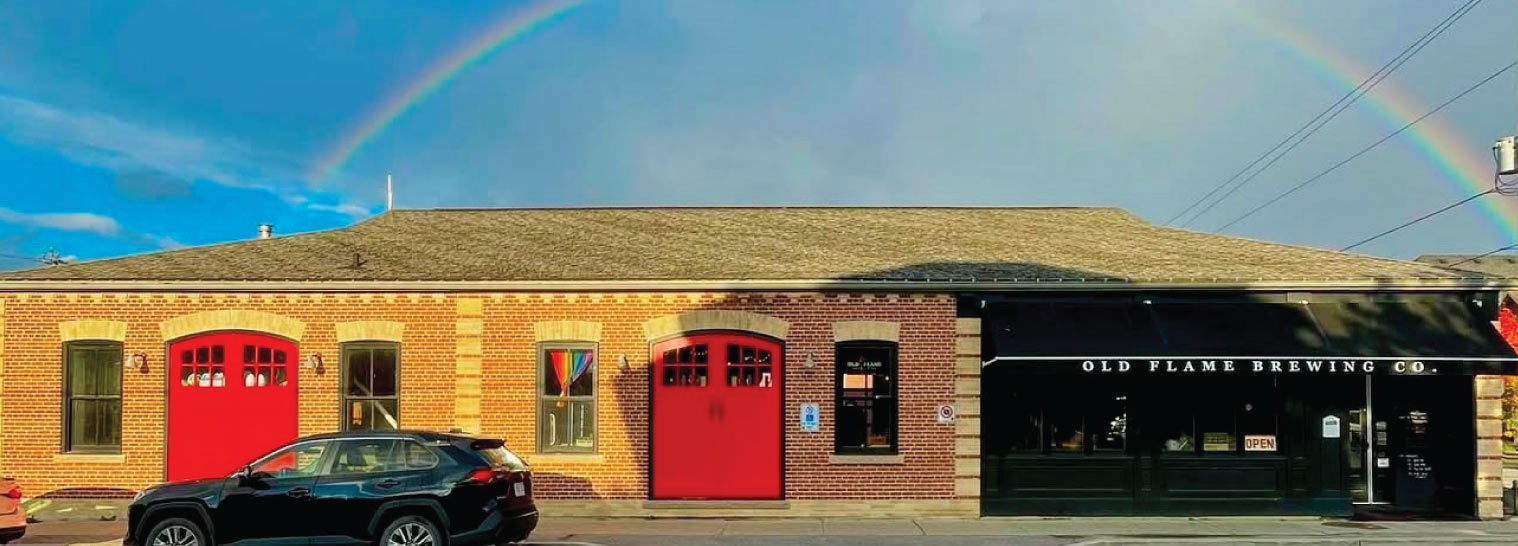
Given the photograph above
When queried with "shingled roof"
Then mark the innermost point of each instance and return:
(1499, 265)
(973, 245)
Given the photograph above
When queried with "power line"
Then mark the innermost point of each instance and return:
(1421, 218)
(1480, 256)
(1372, 146)
(1333, 111)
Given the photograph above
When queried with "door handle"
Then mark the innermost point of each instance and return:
(299, 492)
(388, 483)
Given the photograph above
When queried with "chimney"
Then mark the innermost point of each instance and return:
(265, 231)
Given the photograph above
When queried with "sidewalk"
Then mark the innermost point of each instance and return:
(1092, 530)
(1109, 531)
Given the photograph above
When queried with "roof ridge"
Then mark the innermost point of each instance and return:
(754, 207)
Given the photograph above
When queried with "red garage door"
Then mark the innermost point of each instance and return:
(716, 418)
(232, 397)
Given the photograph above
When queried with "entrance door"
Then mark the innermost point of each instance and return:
(1411, 447)
(716, 418)
(232, 397)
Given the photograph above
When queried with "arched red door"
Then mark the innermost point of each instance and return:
(232, 397)
(717, 418)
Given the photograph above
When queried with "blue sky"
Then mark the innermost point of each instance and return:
(129, 127)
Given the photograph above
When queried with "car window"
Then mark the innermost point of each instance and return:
(366, 456)
(417, 456)
(297, 461)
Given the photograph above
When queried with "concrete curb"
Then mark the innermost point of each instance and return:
(1296, 541)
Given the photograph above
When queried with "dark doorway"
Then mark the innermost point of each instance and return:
(1421, 458)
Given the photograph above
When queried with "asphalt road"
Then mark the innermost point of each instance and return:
(645, 540)
(752, 540)
(712, 541)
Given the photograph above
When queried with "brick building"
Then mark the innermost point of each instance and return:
(742, 361)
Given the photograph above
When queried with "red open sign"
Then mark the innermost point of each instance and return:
(1260, 442)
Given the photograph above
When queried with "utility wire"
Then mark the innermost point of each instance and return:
(1372, 146)
(1421, 218)
(1333, 111)
(1480, 256)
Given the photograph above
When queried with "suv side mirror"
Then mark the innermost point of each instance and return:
(248, 476)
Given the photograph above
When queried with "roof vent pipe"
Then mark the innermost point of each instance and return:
(265, 231)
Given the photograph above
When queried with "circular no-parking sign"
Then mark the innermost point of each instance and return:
(945, 414)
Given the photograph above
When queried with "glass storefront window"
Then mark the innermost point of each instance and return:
(1065, 426)
(1109, 423)
(866, 396)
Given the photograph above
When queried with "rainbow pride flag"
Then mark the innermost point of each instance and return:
(568, 366)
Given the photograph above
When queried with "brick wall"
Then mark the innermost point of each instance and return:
(30, 360)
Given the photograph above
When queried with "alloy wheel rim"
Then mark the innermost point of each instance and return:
(409, 534)
(175, 535)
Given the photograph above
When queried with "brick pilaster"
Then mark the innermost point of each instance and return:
(1489, 446)
(967, 404)
(2, 375)
(469, 328)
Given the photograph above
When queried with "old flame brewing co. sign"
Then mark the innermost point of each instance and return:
(1273, 366)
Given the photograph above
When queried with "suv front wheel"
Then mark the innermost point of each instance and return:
(176, 532)
(409, 531)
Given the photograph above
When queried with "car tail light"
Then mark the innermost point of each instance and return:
(481, 475)
(14, 493)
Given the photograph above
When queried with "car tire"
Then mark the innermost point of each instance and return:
(409, 531)
(176, 532)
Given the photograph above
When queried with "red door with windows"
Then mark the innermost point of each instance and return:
(717, 418)
(232, 397)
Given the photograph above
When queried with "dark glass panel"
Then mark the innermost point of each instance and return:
(360, 372)
(385, 371)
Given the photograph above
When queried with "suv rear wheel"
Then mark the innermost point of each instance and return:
(176, 532)
(409, 531)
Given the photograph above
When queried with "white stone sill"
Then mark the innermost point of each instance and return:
(896, 459)
(94, 458)
(564, 458)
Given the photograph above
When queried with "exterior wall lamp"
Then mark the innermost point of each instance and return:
(139, 362)
(622, 361)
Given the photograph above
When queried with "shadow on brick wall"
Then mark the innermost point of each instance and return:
(562, 486)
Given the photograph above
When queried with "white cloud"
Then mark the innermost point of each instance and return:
(84, 222)
(349, 209)
(164, 241)
(130, 148)
(66, 221)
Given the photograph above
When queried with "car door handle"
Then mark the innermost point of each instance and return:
(387, 484)
(299, 492)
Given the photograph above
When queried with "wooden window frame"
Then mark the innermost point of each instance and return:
(346, 400)
(68, 397)
(894, 372)
(538, 397)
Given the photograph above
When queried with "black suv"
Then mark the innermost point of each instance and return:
(393, 488)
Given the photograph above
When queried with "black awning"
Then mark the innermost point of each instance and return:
(1443, 334)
